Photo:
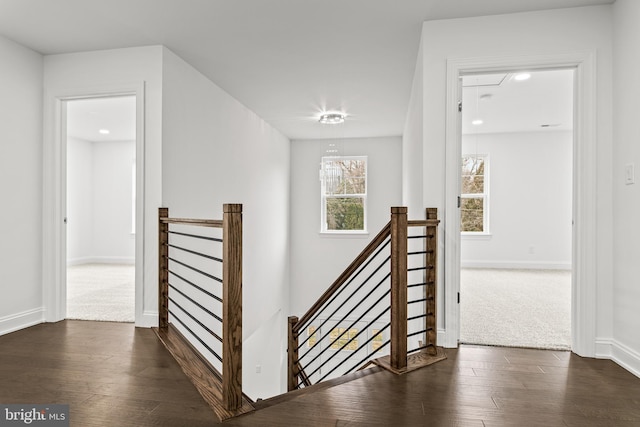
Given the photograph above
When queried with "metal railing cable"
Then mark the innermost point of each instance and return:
(346, 285)
(186, 307)
(380, 309)
(200, 302)
(416, 323)
(350, 309)
(358, 303)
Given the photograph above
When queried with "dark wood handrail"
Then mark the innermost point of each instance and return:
(423, 222)
(361, 259)
(216, 223)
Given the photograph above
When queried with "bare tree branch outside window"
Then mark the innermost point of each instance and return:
(473, 194)
(344, 193)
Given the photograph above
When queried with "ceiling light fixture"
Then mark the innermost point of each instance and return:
(104, 131)
(522, 77)
(332, 118)
(477, 122)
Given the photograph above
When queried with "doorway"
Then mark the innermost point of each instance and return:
(516, 209)
(101, 208)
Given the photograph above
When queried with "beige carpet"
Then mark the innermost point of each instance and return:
(516, 308)
(104, 292)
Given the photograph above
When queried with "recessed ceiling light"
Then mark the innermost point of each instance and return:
(477, 122)
(332, 118)
(522, 76)
(104, 131)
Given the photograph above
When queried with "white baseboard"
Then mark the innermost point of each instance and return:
(521, 265)
(626, 357)
(604, 348)
(23, 320)
(101, 260)
(148, 319)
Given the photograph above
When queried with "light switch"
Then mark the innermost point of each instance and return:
(629, 174)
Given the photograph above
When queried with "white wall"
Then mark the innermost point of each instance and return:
(20, 186)
(216, 151)
(412, 142)
(99, 201)
(625, 346)
(80, 221)
(318, 259)
(107, 72)
(112, 199)
(530, 186)
(523, 35)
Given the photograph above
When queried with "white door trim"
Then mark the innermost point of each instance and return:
(584, 188)
(54, 193)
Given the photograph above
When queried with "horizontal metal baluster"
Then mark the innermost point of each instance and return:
(349, 297)
(195, 252)
(348, 313)
(196, 286)
(206, 310)
(216, 336)
(347, 329)
(196, 236)
(355, 275)
(196, 270)
(196, 336)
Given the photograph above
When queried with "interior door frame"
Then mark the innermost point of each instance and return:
(54, 280)
(584, 256)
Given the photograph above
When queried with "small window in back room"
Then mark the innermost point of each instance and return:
(343, 194)
(474, 216)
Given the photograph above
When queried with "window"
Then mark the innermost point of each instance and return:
(313, 336)
(376, 342)
(344, 194)
(474, 195)
(337, 343)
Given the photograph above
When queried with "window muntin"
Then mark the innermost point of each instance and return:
(312, 333)
(344, 194)
(337, 341)
(377, 340)
(474, 218)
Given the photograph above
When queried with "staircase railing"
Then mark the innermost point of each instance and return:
(200, 304)
(383, 304)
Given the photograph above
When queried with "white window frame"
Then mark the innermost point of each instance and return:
(324, 197)
(484, 196)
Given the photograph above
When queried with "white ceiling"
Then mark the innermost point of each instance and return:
(544, 102)
(287, 60)
(116, 115)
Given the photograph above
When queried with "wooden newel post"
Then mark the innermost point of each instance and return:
(431, 250)
(292, 355)
(399, 288)
(163, 269)
(232, 306)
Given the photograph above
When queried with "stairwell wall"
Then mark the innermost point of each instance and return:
(318, 259)
(216, 151)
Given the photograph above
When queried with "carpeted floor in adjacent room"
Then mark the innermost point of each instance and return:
(516, 308)
(104, 292)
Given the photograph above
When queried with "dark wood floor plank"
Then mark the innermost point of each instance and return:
(113, 374)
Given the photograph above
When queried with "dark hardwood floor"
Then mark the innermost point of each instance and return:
(112, 374)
